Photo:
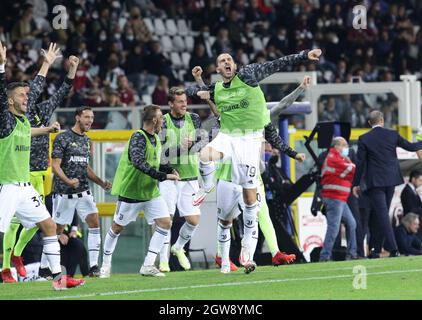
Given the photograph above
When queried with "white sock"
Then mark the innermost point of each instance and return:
(164, 253)
(224, 240)
(250, 227)
(110, 242)
(206, 170)
(94, 245)
(155, 245)
(44, 261)
(51, 249)
(185, 234)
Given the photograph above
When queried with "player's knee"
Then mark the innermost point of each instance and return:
(193, 220)
(116, 228)
(48, 227)
(164, 223)
(249, 197)
(225, 222)
(93, 220)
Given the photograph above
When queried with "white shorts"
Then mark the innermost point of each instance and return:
(230, 202)
(179, 193)
(64, 208)
(244, 153)
(153, 209)
(24, 201)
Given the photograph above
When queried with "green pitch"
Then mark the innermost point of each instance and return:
(395, 278)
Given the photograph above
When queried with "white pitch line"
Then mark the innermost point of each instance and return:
(228, 284)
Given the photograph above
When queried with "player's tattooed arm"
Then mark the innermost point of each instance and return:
(3, 92)
(137, 148)
(106, 185)
(290, 98)
(272, 137)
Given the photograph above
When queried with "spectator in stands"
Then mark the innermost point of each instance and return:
(112, 72)
(115, 120)
(25, 29)
(140, 29)
(336, 181)
(126, 94)
(158, 64)
(280, 41)
(199, 58)
(94, 96)
(222, 43)
(159, 96)
(407, 241)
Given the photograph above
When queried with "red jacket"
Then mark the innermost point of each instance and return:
(337, 175)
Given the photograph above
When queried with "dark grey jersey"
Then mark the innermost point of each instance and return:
(74, 150)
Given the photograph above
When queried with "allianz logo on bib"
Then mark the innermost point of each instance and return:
(78, 159)
(22, 148)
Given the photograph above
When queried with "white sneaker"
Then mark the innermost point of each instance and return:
(199, 197)
(225, 268)
(151, 271)
(105, 271)
(180, 254)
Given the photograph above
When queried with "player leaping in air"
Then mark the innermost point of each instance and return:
(243, 117)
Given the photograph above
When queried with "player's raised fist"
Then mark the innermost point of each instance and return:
(3, 50)
(314, 54)
(107, 185)
(306, 82)
(74, 61)
(204, 95)
(197, 72)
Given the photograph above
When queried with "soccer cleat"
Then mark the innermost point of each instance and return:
(151, 271)
(225, 269)
(18, 263)
(66, 282)
(94, 272)
(180, 254)
(250, 266)
(45, 273)
(283, 258)
(7, 277)
(233, 267)
(199, 197)
(164, 267)
(105, 272)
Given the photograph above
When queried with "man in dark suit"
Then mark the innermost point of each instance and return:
(410, 199)
(377, 157)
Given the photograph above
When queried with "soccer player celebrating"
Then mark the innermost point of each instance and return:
(17, 195)
(243, 116)
(181, 145)
(136, 184)
(71, 154)
(38, 116)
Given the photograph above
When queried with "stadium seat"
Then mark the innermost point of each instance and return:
(122, 22)
(257, 44)
(149, 24)
(182, 73)
(150, 89)
(166, 43)
(182, 27)
(33, 54)
(147, 99)
(265, 41)
(171, 27)
(175, 60)
(186, 59)
(160, 29)
(189, 43)
(179, 43)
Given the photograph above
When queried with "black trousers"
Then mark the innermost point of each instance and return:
(71, 255)
(380, 199)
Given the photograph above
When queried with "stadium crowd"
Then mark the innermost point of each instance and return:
(120, 48)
